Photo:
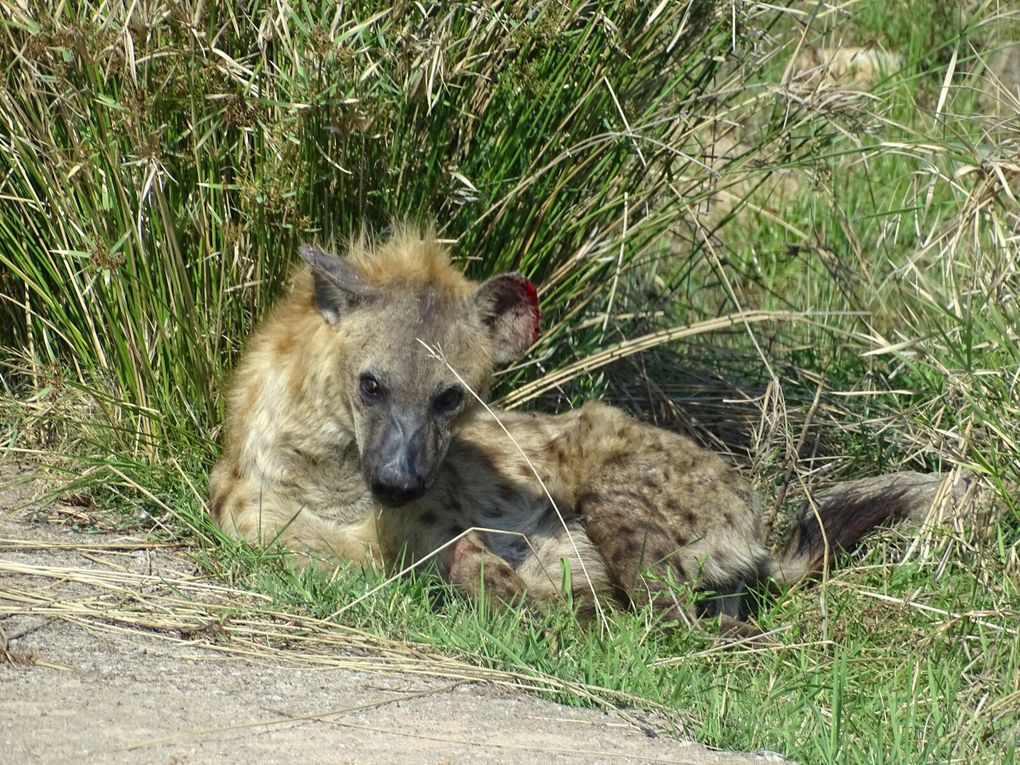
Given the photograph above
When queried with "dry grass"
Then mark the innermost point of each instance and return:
(198, 612)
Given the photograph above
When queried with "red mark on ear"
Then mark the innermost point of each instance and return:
(532, 293)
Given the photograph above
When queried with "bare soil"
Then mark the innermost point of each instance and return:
(96, 666)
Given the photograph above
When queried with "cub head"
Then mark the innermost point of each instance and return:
(417, 342)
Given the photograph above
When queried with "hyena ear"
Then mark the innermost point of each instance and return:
(339, 288)
(508, 307)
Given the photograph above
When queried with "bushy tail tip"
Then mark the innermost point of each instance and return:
(848, 511)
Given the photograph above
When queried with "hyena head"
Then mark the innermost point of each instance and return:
(416, 340)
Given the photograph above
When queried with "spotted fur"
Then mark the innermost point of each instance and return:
(340, 444)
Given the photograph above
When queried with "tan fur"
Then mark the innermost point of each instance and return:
(639, 507)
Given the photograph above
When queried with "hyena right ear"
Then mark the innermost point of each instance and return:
(508, 307)
(339, 287)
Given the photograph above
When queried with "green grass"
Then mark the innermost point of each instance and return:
(156, 176)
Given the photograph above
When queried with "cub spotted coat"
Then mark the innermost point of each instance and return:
(353, 433)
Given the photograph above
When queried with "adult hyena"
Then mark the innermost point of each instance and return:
(353, 433)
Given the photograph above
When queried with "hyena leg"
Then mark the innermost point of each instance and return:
(263, 518)
(638, 553)
(535, 566)
(559, 557)
(476, 571)
(652, 576)
(651, 559)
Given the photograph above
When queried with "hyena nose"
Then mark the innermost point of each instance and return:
(395, 486)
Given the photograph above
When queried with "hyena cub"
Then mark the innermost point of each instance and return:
(353, 433)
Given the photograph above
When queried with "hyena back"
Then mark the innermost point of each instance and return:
(353, 433)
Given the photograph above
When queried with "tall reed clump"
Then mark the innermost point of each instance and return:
(159, 163)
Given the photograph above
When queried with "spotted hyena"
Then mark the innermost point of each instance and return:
(354, 433)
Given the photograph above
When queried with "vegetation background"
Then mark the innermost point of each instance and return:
(805, 258)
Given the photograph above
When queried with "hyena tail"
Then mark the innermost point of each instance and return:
(849, 511)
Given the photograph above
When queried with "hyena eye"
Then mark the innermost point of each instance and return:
(369, 387)
(448, 400)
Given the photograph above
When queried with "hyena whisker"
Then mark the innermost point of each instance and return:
(437, 353)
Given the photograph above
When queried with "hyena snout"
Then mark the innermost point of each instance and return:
(396, 485)
(405, 462)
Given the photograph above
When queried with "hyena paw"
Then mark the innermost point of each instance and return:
(477, 572)
(466, 556)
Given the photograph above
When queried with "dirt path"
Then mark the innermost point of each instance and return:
(116, 650)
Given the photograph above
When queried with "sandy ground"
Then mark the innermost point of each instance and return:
(93, 669)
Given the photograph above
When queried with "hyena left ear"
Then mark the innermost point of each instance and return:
(508, 307)
(339, 288)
